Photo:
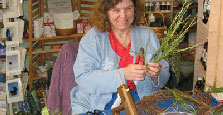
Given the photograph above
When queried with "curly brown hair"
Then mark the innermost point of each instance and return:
(99, 17)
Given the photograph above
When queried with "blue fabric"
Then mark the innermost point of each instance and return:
(97, 64)
(110, 103)
(134, 95)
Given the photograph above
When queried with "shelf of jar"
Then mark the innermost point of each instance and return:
(192, 6)
(55, 37)
(167, 12)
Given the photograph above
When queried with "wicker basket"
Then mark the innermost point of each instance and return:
(65, 32)
(158, 30)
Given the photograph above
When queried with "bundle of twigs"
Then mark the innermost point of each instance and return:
(169, 44)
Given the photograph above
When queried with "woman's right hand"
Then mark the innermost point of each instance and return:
(136, 72)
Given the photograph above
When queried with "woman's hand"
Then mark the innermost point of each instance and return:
(153, 69)
(135, 72)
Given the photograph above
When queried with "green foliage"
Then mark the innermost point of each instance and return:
(179, 102)
(216, 90)
(170, 43)
(45, 111)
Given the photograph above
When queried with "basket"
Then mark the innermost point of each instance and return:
(158, 30)
(65, 32)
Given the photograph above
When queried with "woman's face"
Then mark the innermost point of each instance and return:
(121, 15)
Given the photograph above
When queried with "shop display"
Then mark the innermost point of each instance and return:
(208, 59)
(63, 31)
(45, 27)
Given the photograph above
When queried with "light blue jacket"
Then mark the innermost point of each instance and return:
(96, 66)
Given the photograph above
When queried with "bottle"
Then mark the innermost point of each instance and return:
(147, 7)
(168, 6)
(151, 7)
(200, 84)
(163, 7)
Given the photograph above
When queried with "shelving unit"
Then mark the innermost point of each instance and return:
(202, 34)
(37, 58)
(167, 14)
(213, 31)
(214, 73)
(2, 40)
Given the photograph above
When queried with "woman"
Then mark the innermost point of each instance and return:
(109, 47)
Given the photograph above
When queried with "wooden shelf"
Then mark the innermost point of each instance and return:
(190, 7)
(169, 12)
(2, 59)
(161, 1)
(35, 77)
(47, 51)
(54, 37)
(2, 39)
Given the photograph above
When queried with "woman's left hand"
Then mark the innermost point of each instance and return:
(153, 69)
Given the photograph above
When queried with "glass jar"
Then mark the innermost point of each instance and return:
(151, 6)
(157, 6)
(168, 6)
(147, 7)
(163, 7)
